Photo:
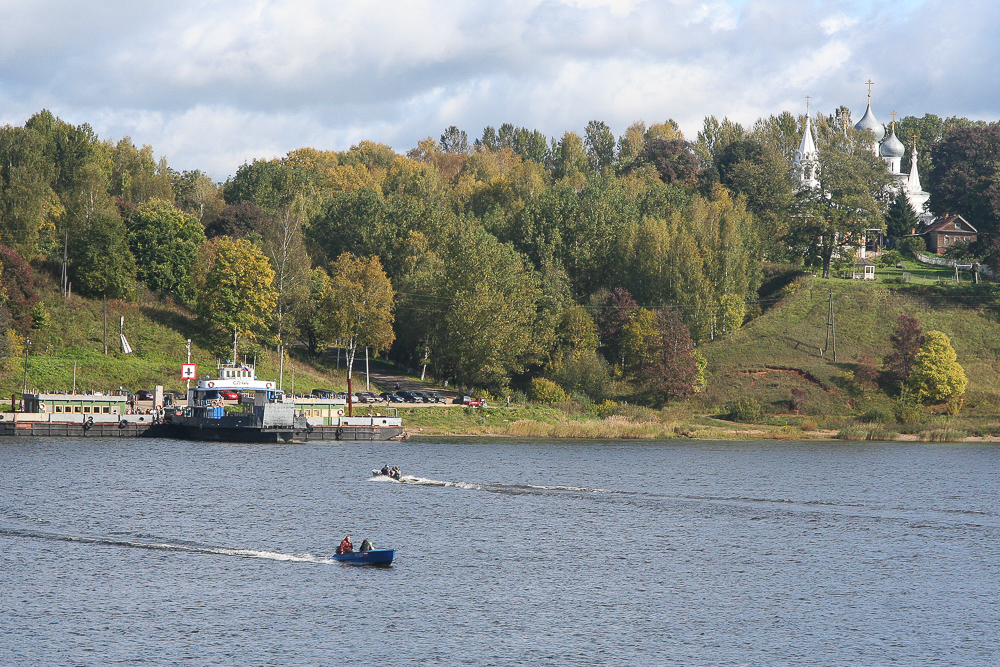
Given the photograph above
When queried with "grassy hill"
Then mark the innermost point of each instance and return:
(782, 349)
(778, 351)
(157, 331)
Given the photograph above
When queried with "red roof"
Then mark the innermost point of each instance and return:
(951, 224)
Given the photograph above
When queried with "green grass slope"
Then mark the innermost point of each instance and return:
(157, 331)
(782, 348)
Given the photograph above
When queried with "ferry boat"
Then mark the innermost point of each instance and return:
(265, 413)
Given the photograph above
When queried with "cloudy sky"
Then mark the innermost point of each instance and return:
(212, 84)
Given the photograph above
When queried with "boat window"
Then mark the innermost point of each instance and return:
(86, 408)
(76, 408)
(106, 410)
(58, 408)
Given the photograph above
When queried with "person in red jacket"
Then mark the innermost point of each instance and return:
(345, 546)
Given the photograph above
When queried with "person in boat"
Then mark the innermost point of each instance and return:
(395, 473)
(345, 546)
(385, 470)
(366, 545)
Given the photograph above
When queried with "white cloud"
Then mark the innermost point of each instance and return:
(213, 84)
(838, 23)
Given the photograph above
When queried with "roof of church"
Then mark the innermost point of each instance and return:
(807, 147)
(868, 122)
(892, 147)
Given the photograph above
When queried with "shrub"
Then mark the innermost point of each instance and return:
(603, 410)
(911, 245)
(808, 425)
(908, 413)
(877, 415)
(744, 409)
(890, 258)
(546, 391)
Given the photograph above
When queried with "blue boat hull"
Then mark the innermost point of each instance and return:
(374, 557)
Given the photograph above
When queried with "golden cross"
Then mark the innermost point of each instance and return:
(869, 83)
(893, 114)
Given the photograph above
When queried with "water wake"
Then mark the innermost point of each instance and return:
(157, 545)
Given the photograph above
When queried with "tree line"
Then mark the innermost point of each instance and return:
(508, 257)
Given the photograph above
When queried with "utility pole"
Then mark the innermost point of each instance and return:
(189, 361)
(24, 387)
(65, 266)
(831, 331)
(281, 366)
(368, 384)
(105, 324)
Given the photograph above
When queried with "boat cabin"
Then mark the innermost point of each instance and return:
(85, 404)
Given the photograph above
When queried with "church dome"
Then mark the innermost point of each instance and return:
(868, 122)
(892, 147)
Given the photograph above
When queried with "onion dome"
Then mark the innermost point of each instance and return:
(892, 147)
(868, 122)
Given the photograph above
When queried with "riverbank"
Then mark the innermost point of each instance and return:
(636, 423)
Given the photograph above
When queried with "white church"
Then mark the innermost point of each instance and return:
(887, 146)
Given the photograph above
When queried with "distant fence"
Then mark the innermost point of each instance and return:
(924, 258)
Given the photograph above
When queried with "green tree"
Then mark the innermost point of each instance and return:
(936, 375)
(966, 178)
(101, 262)
(489, 297)
(600, 143)
(359, 304)
(26, 200)
(900, 219)
(570, 160)
(234, 287)
(852, 197)
(164, 242)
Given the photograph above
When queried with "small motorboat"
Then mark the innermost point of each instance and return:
(392, 474)
(373, 557)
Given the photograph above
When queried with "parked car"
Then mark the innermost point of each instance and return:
(464, 400)
(391, 398)
(367, 397)
(229, 395)
(343, 395)
(144, 395)
(476, 403)
(424, 395)
(411, 397)
(324, 393)
(437, 398)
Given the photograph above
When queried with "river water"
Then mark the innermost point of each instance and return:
(509, 552)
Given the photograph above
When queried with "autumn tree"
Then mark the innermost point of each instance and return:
(359, 305)
(674, 159)
(672, 368)
(234, 287)
(613, 314)
(17, 291)
(936, 375)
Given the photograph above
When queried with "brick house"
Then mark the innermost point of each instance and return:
(946, 232)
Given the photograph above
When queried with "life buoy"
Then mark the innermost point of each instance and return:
(270, 384)
(1, 418)
(41, 406)
(340, 413)
(211, 384)
(123, 423)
